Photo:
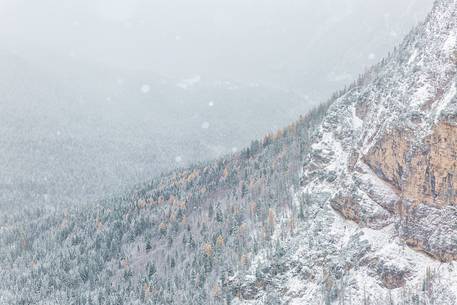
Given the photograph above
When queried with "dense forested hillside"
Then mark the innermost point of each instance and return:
(176, 240)
(193, 236)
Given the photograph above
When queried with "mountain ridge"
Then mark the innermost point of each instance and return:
(395, 137)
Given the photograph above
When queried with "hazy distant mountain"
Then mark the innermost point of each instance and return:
(79, 133)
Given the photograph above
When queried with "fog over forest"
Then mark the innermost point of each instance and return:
(99, 95)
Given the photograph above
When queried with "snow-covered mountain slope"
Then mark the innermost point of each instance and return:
(381, 185)
(371, 221)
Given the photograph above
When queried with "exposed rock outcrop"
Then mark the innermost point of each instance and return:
(432, 230)
(389, 274)
(424, 172)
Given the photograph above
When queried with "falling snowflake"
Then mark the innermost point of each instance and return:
(371, 56)
(205, 125)
(145, 88)
(234, 149)
(178, 159)
(211, 104)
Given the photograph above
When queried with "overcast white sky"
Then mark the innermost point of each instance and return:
(275, 41)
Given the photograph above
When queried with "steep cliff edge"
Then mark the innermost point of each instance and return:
(392, 143)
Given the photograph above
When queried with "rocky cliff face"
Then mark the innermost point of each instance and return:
(393, 141)
(421, 172)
